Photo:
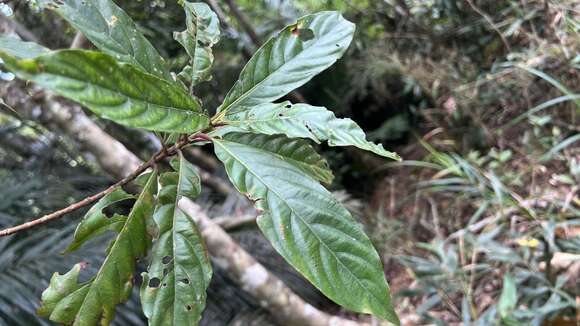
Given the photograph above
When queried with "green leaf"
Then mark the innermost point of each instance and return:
(111, 30)
(114, 91)
(68, 302)
(174, 288)
(309, 228)
(202, 33)
(290, 59)
(508, 298)
(303, 121)
(20, 49)
(294, 151)
(96, 222)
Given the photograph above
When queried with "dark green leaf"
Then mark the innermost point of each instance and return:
(96, 222)
(174, 287)
(111, 30)
(304, 121)
(68, 302)
(115, 91)
(290, 59)
(309, 228)
(200, 36)
(294, 151)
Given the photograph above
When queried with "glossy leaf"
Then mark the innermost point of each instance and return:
(290, 59)
(202, 33)
(294, 151)
(96, 222)
(111, 30)
(303, 121)
(20, 49)
(114, 91)
(67, 302)
(309, 228)
(174, 287)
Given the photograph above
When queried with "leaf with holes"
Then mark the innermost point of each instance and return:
(113, 90)
(303, 121)
(111, 30)
(68, 302)
(308, 227)
(96, 222)
(290, 59)
(174, 287)
(202, 33)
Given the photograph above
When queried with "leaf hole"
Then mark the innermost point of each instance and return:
(109, 212)
(304, 34)
(188, 307)
(288, 106)
(337, 45)
(154, 282)
(166, 260)
(280, 114)
(164, 285)
(165, 272)
(184, 281)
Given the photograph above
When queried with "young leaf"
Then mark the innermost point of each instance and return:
(290, 59)
(111, 30)
(96, 222)
(68, 302)
(174, 288)
(114, 91)
(203, 31)
(309, 228)
(20, 49)
(303, 121)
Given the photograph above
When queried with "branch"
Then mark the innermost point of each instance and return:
(89, 200)
(285, 305)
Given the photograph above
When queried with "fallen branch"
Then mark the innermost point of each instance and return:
(230, 223)
(285, 305)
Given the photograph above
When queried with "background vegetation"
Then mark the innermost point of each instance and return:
(479, 225)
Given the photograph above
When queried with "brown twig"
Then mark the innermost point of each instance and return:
(89, 200)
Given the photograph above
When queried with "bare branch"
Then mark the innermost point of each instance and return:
(89, 200)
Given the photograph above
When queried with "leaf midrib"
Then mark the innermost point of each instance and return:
(293, 211)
